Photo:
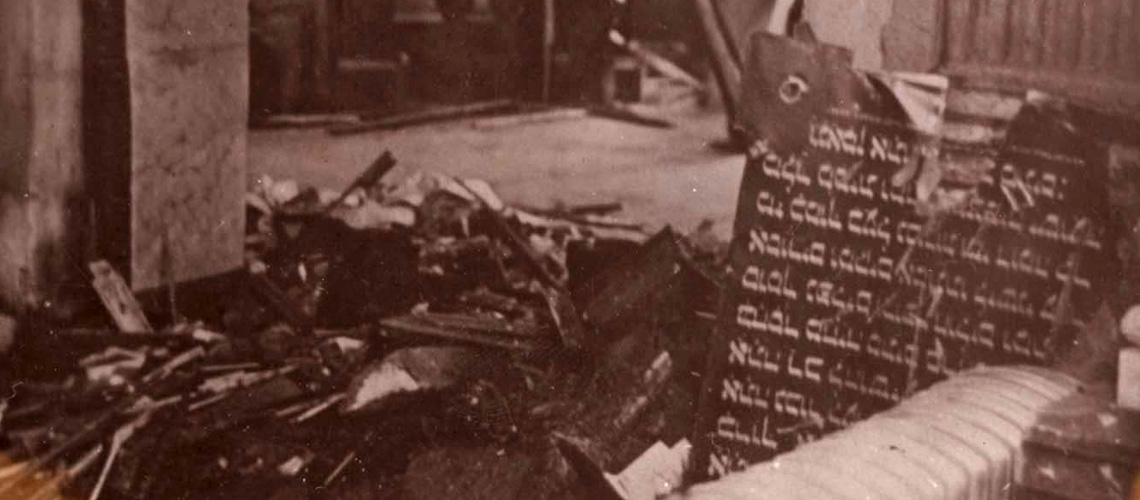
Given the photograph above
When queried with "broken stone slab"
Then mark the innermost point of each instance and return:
(656, 473)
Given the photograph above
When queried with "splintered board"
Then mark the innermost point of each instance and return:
(871, 258)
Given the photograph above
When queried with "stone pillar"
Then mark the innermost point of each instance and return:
(189, 73)
(40, 148)
(168, 134)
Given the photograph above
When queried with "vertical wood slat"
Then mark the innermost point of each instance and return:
(1027, 37)
(1092, 36)
(1128, 39)
(1088, 52)
(1069, 34)
(1019, 33)
(1084, 49)
(1050, 33)
(1110, 12)
(1034, 29)
(993, 28)
(959, 29)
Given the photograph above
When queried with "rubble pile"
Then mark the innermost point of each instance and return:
(405, 338)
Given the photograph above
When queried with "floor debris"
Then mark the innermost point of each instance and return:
(381, 338)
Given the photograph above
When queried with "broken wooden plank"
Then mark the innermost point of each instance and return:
(53, 490)
(596, 208)
(591, 474)
(486, 324)
(562, 309)
(606, 421)
(117, 298)
(1082, 447)
(625, 287)
(1128, 379)
(297, 121)
(281, 303)
(529, 118)
(372, 175)
(522, 247)
(243, 406)
(566, 318)
(90, 428)
(424, 117)
(629, 116)
(118, 439)
(657, 62)
(426, 325)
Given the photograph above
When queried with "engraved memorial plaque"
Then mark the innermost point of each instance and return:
(861, 271)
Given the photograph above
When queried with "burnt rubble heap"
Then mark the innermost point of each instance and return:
(414, 338)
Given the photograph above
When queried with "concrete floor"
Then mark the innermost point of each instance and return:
(661, 176)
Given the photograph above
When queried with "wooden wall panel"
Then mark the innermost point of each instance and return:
(1087, 49)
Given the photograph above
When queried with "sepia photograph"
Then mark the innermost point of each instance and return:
(570, 249)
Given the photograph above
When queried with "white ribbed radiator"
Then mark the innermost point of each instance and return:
(959, 439)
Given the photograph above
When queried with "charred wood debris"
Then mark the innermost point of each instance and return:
(410, 338)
